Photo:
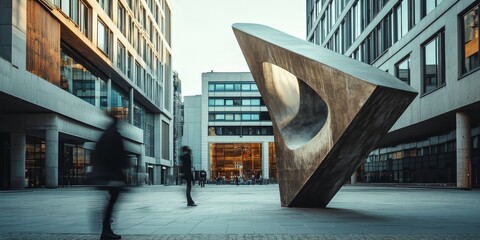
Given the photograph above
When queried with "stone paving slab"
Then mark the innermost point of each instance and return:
(59, 236)
(242, 212)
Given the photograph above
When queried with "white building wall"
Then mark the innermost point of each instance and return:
(192, 128)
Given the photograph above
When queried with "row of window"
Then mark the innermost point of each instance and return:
(239, 130)
(80, 13)
(392, 27)
(398, 22)
(417, 152)
(235, 102)
(360, 15)
(433, 64)
(250, 116)
(435, 169)
(79, 81)
(227, 87)
(433, 54)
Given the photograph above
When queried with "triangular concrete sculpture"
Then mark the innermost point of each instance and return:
(328, 111)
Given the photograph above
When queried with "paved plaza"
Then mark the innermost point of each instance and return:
(243, 212)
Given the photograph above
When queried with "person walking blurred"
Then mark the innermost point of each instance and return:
(187, 173)
(109, 160)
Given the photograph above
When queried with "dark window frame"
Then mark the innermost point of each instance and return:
(397, 74)
(440, 61)
(463, 70)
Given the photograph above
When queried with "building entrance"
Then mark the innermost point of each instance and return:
(72, 165)
(230, 160)
(4, 161)
(35, 162)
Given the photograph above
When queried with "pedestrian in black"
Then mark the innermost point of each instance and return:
(187, 173)
(203, 178)
(109, 160)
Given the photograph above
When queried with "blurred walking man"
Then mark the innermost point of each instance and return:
(108, 163)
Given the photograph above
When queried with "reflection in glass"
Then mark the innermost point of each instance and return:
(403, 70)
(243, 160)
(77, 80)
(102, 37)
(35, 162)
(470, 40)
(119, 103)
(433, 69)
(272, 162)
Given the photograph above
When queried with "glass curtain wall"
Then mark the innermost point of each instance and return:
(79, 81)
(228, 160)
(272, 162)
(429, 164)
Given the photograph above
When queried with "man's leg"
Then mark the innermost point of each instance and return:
(107, 232)
(189, 196)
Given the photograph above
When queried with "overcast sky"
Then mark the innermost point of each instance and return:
(203, 40)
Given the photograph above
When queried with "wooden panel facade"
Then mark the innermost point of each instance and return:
(43, 43)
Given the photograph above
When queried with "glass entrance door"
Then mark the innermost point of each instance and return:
(230, 160)
(35, 162)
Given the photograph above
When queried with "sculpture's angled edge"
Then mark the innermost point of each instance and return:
(328, 111)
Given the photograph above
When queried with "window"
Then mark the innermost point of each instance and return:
(246, 87)
(78, 11)
(119, 102)
(129, 66)
(428, 6)
(103, 38)
(83, 17)
(433, 63)
(402, 70)
(229, 117)
(219, 87)
(470, 40)
(79, 81)
(106, 5)
(138, 71)
(246, 117)
(121, 57)
(219, 102)
(229, 87)
(404, 18)
(121, 18)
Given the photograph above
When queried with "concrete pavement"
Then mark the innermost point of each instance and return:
(243, 212)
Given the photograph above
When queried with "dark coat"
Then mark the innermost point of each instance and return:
(187, 166)
(109, 158)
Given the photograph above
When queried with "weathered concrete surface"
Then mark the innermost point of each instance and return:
(328, 111)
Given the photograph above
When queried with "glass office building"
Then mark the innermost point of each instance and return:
(233, 128)
(63, 65)
(433, 46)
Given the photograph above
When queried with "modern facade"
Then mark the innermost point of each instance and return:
(236, 130)
(433, 46)
(192, 126)
(63, 65)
